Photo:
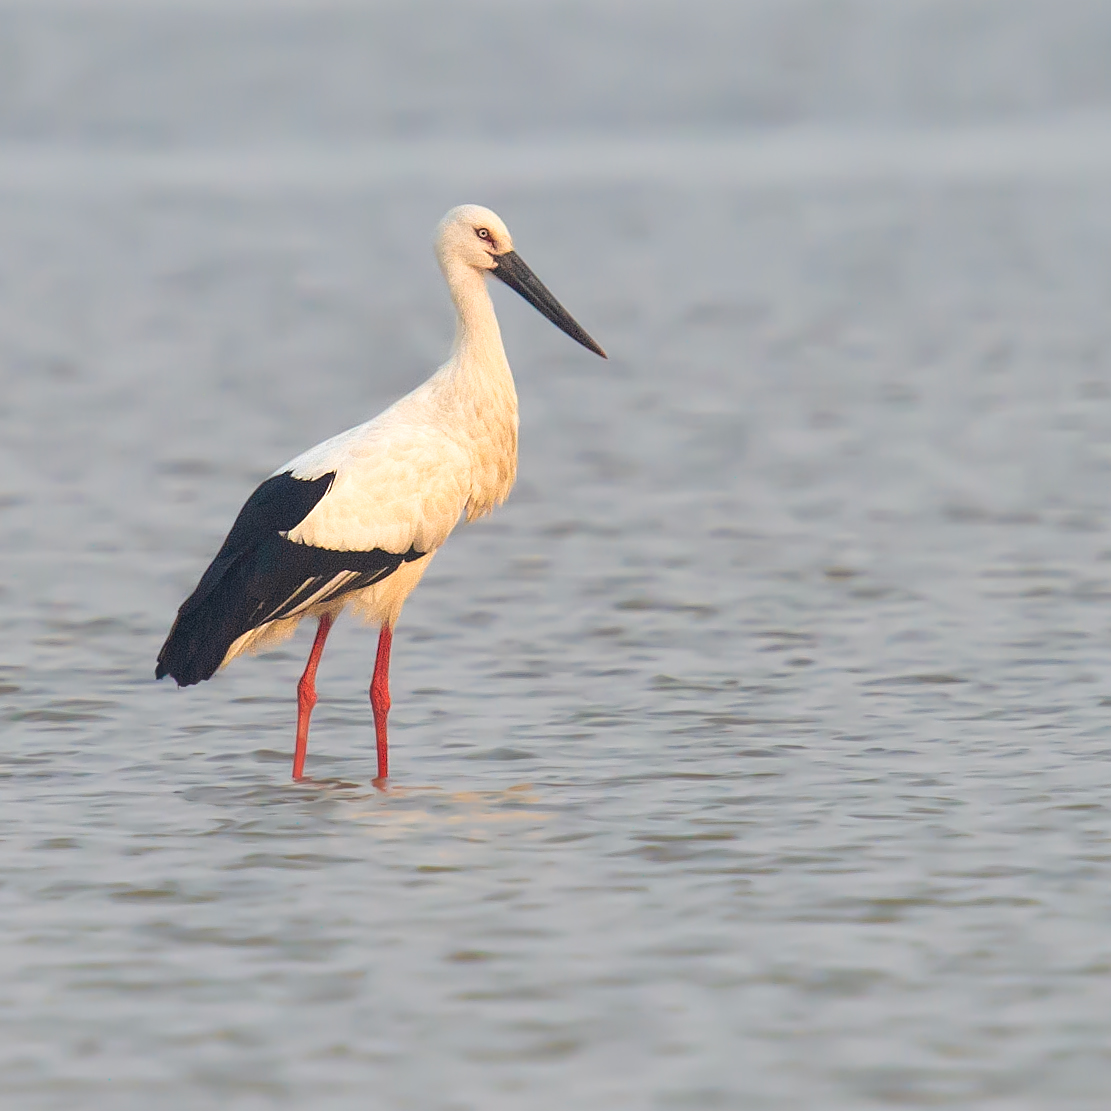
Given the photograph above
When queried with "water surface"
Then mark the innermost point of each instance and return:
(754, 755)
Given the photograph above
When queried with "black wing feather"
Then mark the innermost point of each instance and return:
(259, 576)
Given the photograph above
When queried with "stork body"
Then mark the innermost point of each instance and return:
(356, 520)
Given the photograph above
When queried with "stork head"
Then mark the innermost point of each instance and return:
(473, 236)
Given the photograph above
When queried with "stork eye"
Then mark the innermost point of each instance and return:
(482, 233)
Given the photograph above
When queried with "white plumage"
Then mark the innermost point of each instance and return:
(356, 519)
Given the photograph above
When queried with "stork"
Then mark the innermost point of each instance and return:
(356, 520)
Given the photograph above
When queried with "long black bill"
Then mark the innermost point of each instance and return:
(512, 270)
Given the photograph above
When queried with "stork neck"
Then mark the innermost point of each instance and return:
(478, 343)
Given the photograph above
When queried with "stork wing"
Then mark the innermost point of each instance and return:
(259, 575)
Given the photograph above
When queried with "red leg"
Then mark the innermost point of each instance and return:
(306, 696)
(380, 700)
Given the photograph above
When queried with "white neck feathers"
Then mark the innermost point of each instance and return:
(477, 335)
(479, 378)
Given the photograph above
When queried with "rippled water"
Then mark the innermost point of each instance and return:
(755, 754)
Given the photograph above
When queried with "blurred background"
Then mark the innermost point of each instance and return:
(754, 755)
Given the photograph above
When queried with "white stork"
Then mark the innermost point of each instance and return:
(356, 519)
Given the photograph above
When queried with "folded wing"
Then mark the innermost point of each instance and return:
(259, 575)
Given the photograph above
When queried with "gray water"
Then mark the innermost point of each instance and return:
(755, 754)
